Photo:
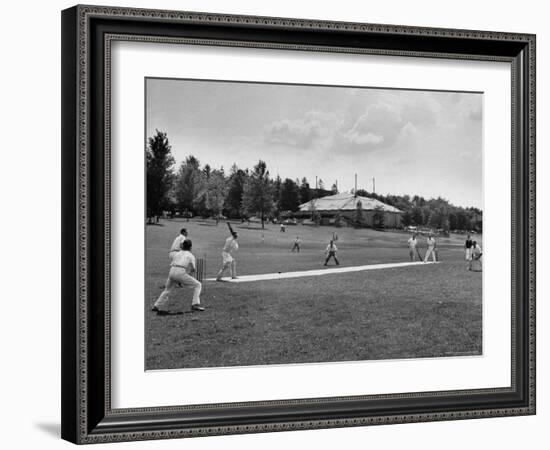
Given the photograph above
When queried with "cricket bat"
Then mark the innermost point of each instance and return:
(418, 253)
(230, 228)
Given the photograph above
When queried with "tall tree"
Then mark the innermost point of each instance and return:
(257, 195)
(214, 193)
(321, 185)
(233, 201)
(159, 172)
(406, 219)
(290, 198)
(417, 216)
(464, 221)
(305, 191)
(277, 187)
(188, 184)
(207, 169)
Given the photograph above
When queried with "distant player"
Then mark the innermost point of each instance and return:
(296, 245)
(330, 251)
(476, 257)
(283, 229)
(228, 262)
(413, 250)
(176, 245)
(182, 266)
(430, 242)
(334, 236)
(468, 250)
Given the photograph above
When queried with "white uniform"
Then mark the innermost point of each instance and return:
(176, 246)
(412, 243)
(431, 248)
(476, 256)
(183, 263)
(230, 245)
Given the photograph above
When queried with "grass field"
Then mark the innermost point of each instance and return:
(430, 310)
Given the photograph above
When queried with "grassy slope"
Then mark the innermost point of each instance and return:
(424, 311)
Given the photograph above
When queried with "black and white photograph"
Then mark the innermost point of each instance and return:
(275, 225)
(294, 223)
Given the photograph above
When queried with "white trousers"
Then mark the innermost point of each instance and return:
(228, 265)
(228, 262)
(429, 252)
(177, 276)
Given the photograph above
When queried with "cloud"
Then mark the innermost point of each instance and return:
(377, 127)
(304, 132)
(389, 118)
(360, 138)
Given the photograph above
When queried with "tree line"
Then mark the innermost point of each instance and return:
(436, 213)
(195, 189)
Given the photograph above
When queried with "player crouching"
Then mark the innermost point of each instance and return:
(228, 262)
(182, 266)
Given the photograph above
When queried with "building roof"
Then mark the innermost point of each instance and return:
(347, 202)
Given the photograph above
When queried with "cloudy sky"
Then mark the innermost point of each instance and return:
(411, 142)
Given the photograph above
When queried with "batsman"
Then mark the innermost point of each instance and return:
(228, 262)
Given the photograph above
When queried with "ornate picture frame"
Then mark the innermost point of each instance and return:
(87, 35)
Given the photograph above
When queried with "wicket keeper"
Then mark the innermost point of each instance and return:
(176, 245)
(182, 266)
(476, 257)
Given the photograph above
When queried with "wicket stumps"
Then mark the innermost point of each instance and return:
(200, 274)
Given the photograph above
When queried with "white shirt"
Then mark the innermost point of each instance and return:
(184, 259)
(230, 245)
(331, 249)
(477, 250)
(431, 242)
(176, 245)
(412, 243)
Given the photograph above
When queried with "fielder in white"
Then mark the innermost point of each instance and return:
(228, 262)
(176, 245)
(330, 252)
(183, 265)
(476, 257)
(412, 243)
(430, 242)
